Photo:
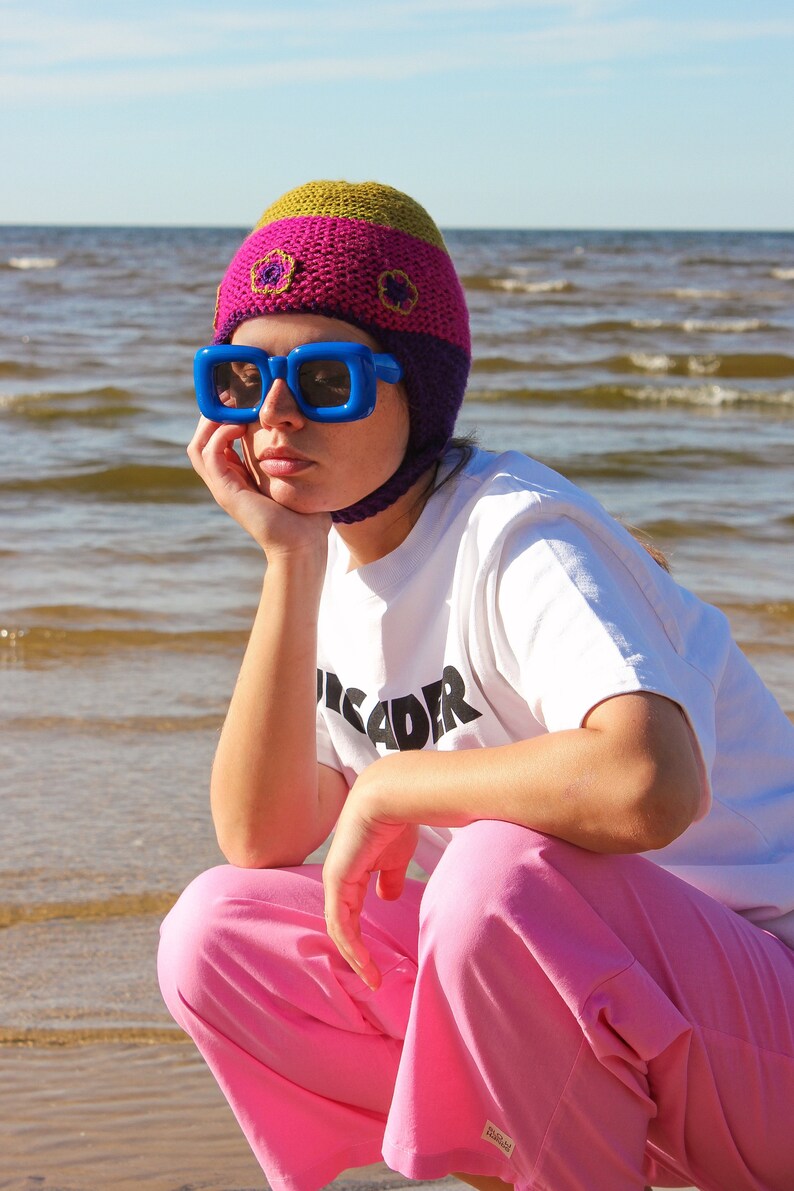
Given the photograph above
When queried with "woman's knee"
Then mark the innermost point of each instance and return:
(463, 905)
(203, 935)
(186, 935)
(494, 879)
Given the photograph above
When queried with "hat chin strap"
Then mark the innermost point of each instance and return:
(412, 467)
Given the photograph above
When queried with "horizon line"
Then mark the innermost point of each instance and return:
(537, 227)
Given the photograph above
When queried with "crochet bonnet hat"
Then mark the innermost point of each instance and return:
(368, 255)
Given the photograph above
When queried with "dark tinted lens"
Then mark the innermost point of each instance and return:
(237, 384)
(324, 383)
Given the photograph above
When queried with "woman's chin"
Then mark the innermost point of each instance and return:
(291, 497)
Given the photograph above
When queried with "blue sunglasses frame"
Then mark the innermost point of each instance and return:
(364, 366)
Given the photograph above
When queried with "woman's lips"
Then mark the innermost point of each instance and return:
(283, 465)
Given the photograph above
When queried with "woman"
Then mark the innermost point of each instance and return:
(461, 658)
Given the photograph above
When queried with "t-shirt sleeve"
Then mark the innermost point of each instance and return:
(573, 626)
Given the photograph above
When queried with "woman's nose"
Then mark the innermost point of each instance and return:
(280, 407)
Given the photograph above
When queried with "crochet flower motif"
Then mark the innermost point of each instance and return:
(397, 292)
(273, 272)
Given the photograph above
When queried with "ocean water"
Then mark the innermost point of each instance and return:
(654, 369)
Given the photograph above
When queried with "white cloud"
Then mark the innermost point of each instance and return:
(199, 49)
(45, 37)
(31, 41)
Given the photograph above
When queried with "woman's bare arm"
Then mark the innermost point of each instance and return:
(628, 780)
(271, 802)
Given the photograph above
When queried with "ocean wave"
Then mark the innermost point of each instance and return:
(118, 905)
(712, 395)
(51, 405)
(132, 725)
(730, 365)
(82, 614)
(621, 325)
(726, 326)
(687, 292)
(670, 529)
(134, 483)
(674, 463)
(488, 364)
(557, 286)
(614, 396)
(33, 643)
(691, 326)
(709, 366)
(782, 274)
(604, 249)
(722, 262)
(62, 1036)
(781, 611)
(32, 262)
(645, 362)
(515, 285)
(104, 394)
(15, 368)
(733, 365)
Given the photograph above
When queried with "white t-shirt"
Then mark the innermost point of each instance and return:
(514, 606)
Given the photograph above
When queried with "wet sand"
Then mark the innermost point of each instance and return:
(144, 1116)
(126, 1117)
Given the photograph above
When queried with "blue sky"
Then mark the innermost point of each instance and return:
(500, 113)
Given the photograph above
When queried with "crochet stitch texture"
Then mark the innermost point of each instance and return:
(371, 256)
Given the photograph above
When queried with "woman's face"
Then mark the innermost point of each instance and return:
(313, 467)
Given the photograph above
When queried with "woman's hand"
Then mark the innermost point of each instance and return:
(272, 526)
(364, 843)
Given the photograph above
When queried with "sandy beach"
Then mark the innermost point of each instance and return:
(128, 1117)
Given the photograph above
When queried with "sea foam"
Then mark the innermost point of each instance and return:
(32, 262)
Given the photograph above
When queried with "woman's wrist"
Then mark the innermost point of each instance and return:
(303, 541)
(299, 567)
(379, 789)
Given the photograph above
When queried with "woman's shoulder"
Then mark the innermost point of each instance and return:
(514, 507)
(502, 487)
(494, 506)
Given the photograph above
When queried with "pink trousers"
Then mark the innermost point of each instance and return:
(563, 1020)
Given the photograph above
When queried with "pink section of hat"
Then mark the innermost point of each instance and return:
(390, 279)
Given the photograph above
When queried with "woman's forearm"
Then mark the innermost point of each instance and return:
(264, 788)
(629, 781)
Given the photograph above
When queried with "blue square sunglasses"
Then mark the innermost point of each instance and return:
(330, 382)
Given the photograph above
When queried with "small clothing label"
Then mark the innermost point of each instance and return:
(498, 1138)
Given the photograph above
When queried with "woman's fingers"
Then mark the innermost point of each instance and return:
(391, 882)
(204, 431)
(362, 845)
(343, 923)
(214, 458)
(213, 439)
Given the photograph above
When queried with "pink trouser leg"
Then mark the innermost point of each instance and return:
(592, 1008)
(303, 1052)
(578, 1023)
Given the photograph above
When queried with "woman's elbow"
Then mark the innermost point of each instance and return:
(247, 842)
(259, 853)
(667, 803)
(664, 772)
